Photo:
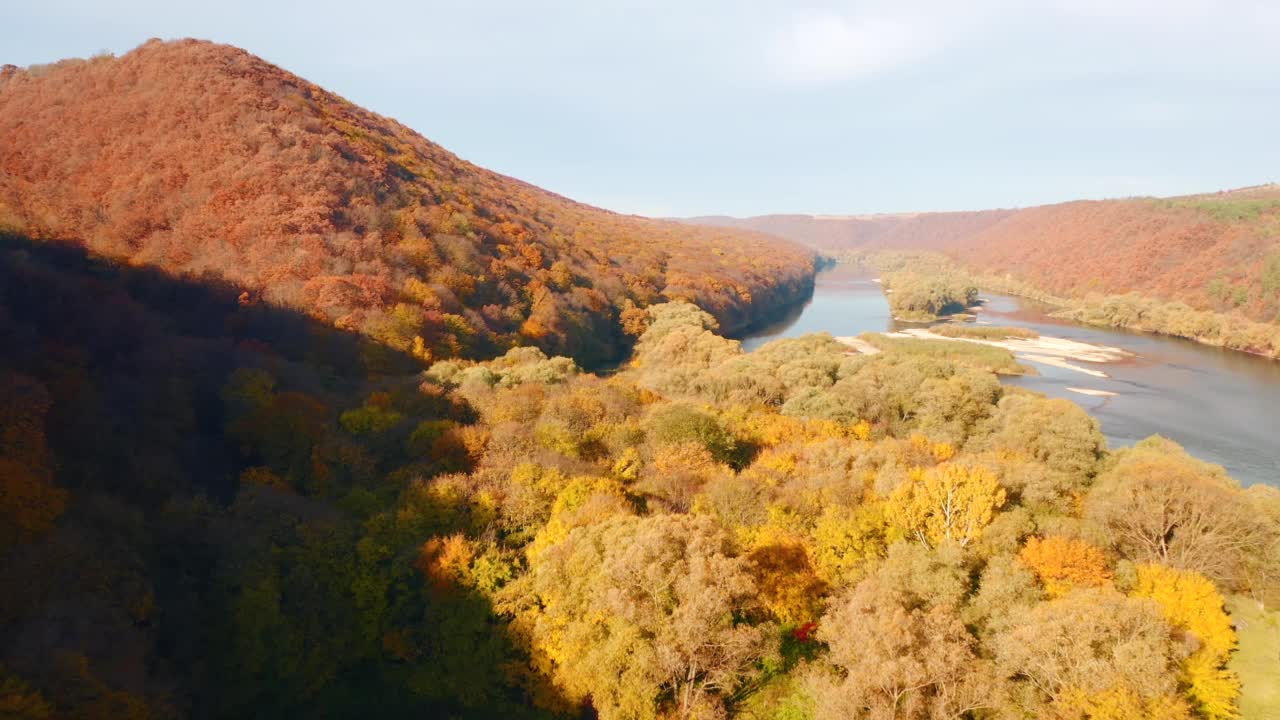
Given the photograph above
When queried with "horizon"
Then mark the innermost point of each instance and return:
(834, 110)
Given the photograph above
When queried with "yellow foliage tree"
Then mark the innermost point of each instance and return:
(785, 579)
(627, 466)
(771, 429)
(583, 501)
(421, 351)
(1213, 688)
(950, 502)
(1063, 563)
(862, 430)
(782, 462)
(845, 539)
(1192, 604)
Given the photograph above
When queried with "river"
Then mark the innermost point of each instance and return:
(1222, 406)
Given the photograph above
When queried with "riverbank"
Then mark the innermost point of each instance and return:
(1138, 313)
(1132, 311)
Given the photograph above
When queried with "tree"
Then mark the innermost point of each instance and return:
(948, 503)
(1192, 605)
(891, 661)
(633, 610)
(1055, 433)
(676, 473)
(583, 501)
(1157, 504)
(919, 296)
(683, 423)
(1262, 564)
(1088, 642)
(787, 585)
(1007, 587)
(953, 407)
(924, 576)
(846, 539)
(1063, 563)
(1118, 703)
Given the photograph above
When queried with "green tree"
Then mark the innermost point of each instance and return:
(1057, 434)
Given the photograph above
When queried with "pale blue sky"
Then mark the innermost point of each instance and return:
(744, 107)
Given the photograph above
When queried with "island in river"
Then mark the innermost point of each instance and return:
(1219, 404)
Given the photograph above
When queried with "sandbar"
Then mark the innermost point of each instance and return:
(1057, 352)
(1092, 392)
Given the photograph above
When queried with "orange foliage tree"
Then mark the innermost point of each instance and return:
(1062, 563)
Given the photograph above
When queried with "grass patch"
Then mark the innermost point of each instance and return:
(984, 332)
(1257, 660)
(982, 357)
(1226, 208)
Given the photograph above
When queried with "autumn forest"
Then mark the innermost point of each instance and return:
(302, 416)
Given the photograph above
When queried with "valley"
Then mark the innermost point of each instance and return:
(304, 416)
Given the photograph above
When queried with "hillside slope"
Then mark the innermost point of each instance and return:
(197, 157)
(1215, 252)
(1218, 251)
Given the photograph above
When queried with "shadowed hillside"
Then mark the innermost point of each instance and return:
(1218, 251)
(198, 157)
(186, 481)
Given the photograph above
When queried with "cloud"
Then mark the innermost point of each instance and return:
(829, 48)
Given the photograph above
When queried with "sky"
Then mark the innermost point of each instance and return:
(745, 107)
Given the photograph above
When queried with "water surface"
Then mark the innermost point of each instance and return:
(1222, 406)
(845, 302)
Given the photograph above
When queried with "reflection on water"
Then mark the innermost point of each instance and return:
(845, 302)
(1222, 406)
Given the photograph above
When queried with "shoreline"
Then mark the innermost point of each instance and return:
(1068, 309)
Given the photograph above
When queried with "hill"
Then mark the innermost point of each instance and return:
(1217, 251)
(831, 233)
(201, 158)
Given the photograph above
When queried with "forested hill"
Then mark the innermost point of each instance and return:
(1218, 251)
(196, 157)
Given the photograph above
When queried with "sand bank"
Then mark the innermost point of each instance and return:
(859, 344)
(1092, 392)
(1059, 363)
(1056, 352)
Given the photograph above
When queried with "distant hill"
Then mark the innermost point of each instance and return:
(1217, 251)
(201, 158)
(843, 232)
